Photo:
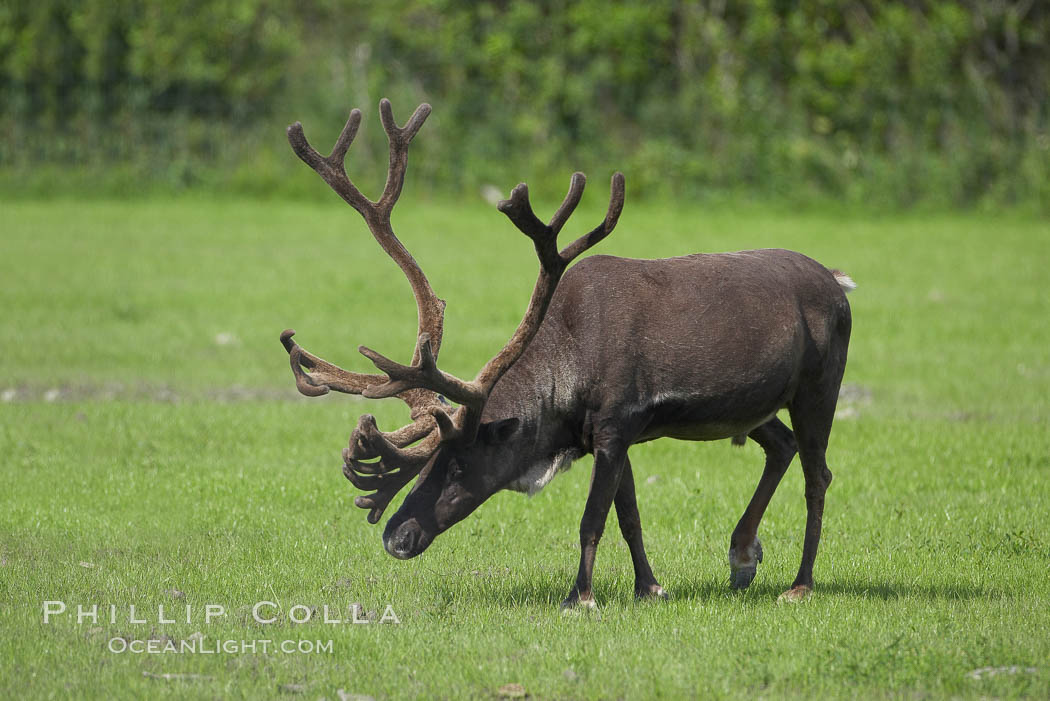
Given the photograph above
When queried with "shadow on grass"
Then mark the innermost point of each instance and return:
(548, 592)
(884, 591)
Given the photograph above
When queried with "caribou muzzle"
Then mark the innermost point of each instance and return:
(405, 540)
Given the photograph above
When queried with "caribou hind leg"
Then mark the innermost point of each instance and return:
(812, 412)
(745, 550)
(645, 584)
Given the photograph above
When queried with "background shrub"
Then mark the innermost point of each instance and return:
(890, 103)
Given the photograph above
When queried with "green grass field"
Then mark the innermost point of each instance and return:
(155, 452)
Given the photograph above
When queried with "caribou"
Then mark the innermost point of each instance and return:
(610, 352)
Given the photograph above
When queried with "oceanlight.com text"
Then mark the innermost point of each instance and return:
(204, 646)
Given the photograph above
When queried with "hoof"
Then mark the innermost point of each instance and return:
(794, 595)
(742, 578)
(743, 566)
(577, 607)
(652, 592)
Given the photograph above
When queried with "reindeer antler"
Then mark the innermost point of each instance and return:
(386, 462)
(315, 376)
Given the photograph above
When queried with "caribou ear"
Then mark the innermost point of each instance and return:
(500, 431)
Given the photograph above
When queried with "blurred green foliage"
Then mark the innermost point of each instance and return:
(888, 103)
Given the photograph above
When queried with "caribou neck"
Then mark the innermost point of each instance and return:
(542, 390)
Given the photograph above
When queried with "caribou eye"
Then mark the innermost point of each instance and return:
(455, 469)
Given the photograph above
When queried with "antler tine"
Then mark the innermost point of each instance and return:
(616, 197)
(423, 373)
(368, 442)
(346, 137)
(386, 485)
(447, 428)
(568, 206)
(420, 427)
(399, 138)
(323, 376)
(331, 167)
(519, 210)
